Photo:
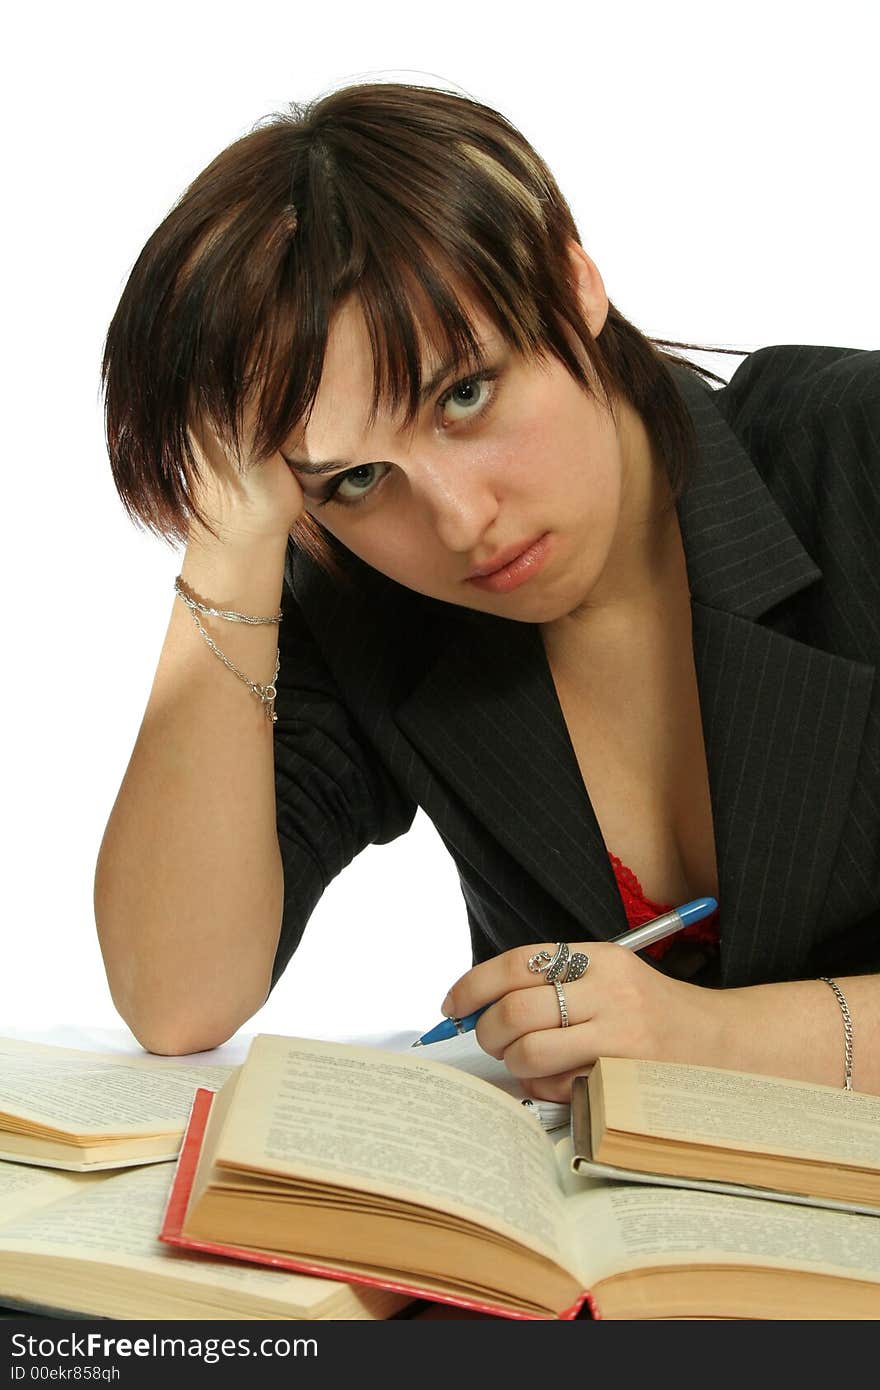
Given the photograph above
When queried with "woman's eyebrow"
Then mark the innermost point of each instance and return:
(316, 470)
(456, 362)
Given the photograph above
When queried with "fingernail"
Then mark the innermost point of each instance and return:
(446, 1006)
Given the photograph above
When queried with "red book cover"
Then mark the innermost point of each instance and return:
(175, 1215)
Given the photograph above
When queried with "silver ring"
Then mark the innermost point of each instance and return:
(559, 964)
(565, 965)
(577, 966)
(560, 999)
(542, 960)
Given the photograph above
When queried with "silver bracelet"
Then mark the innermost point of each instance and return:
(229, 614)
(847, 1031)
(264, 693)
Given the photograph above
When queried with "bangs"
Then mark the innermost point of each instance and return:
(416, 310)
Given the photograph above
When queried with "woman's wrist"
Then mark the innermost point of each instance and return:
(789, 1029)
(241, 573)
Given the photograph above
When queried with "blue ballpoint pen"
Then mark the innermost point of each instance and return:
(634, 940)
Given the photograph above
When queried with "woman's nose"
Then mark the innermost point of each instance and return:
(462, 503)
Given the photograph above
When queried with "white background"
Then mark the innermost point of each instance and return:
(721, 164)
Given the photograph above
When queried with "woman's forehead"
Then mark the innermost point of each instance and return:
(348, 357)
(342, 409)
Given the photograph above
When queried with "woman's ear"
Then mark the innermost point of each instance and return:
(590, 288)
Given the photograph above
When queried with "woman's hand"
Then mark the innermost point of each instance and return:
(620, 1007)
(261, 503)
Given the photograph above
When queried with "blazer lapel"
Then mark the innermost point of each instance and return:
(782, 720)
(783, 725)
(487, 719)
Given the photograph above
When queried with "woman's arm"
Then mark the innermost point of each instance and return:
(623, 1007)
(189, 880)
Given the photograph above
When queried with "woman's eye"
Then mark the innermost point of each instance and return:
(359, 481)
(467, 398)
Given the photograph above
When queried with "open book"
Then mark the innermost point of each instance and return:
(400, 1172)
(728, 1131)
(89, 1110)
(87, 1243)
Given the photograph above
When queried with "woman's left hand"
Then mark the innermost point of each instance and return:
(620, 1007)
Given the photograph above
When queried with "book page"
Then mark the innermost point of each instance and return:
(23, 1188)
(750, 1113)
(616, 1227)
(96, 1096)
(116, 1217)
(394, 1124)
(464, 1052)
(11, 1047)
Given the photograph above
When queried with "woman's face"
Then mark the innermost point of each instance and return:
(513, 493)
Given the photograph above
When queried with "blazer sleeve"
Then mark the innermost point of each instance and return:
(333, 795)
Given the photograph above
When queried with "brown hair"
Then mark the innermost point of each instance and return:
(388, 191)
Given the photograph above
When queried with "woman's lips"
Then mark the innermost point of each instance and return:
(515, 571)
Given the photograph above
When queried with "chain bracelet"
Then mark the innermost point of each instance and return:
(229, 614)
(265, 693)
(847, 1031)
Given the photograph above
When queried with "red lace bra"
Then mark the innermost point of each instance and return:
(640, 909)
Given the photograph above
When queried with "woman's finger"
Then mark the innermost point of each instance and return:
(526, 1011)
(553, 1052)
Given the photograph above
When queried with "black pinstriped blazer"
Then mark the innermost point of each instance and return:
(388, 701)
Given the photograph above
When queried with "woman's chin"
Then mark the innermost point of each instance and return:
(524, 607)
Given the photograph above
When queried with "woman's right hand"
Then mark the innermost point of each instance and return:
(260, 504)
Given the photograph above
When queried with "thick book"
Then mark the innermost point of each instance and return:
(400, 1172)
(728, 1131)
(85, 1111)
(86, 1245)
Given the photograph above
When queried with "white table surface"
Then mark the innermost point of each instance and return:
(121, 1042)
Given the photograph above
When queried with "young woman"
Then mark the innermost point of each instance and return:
(458, 536)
